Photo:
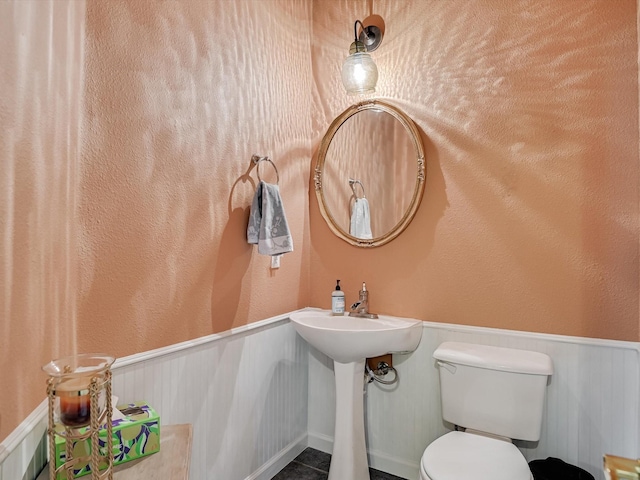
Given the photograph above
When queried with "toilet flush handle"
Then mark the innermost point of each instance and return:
(449, 366)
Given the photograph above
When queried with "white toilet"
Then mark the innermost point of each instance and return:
(494, 394)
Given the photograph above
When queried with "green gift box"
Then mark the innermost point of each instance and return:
(135, 436)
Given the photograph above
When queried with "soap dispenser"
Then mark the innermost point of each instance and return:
(337, 300)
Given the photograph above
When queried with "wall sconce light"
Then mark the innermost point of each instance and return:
(359, 71)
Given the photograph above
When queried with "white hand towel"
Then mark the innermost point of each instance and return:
(268, 225)
(360, 219)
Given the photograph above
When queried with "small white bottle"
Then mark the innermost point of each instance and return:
(337, 300)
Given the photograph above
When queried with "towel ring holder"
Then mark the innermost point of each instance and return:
(352, 184)
(256, 159)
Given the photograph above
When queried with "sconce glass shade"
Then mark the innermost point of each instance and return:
(359, 71)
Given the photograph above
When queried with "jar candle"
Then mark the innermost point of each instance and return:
(70, 379)
(74, 402)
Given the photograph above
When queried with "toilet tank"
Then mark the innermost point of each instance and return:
(493, 389)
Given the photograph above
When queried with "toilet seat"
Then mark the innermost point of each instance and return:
(467, 456)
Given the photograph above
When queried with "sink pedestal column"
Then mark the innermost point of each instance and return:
(349, 458)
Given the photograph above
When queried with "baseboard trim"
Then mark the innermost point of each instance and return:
(280, 460)
(320, 442)
(395, 466)
(377, 460)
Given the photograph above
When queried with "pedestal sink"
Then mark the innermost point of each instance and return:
(349, 341)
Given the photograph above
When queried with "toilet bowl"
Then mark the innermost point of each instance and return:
(495, 394)
(468, 456)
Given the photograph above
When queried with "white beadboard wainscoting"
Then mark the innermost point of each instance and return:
(258, 395)
(244, 391)
(592, 400)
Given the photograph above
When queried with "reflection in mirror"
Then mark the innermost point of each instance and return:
(370, 173)
(360, 215)
(373, 148)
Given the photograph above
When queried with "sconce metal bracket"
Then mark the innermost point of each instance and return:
(371, 37)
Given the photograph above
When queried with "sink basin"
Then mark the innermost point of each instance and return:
(350, 339)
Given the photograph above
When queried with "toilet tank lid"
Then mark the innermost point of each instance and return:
(495, 358)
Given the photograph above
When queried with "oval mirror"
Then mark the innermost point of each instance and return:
(370, 173)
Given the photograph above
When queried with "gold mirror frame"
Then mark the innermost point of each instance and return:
(418, 191)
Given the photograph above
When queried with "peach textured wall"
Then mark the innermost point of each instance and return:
(128, 125)
(530, 118)
(40, 113)
(127, 132)
(178, 96)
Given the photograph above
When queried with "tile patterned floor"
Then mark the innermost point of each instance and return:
(314, 465)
